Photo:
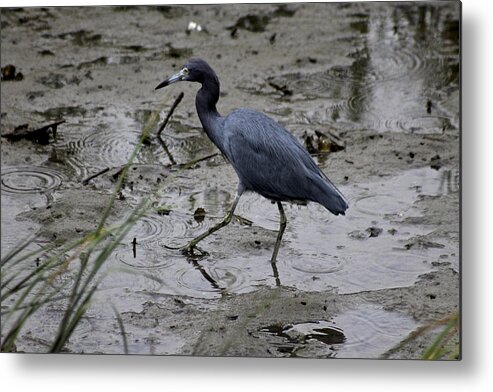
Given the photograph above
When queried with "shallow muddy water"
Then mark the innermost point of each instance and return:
(384, 77)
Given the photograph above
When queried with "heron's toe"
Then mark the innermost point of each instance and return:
(193, 252)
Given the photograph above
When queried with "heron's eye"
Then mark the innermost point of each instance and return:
(185, 71)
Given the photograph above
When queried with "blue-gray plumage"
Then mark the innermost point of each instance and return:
(266, 157)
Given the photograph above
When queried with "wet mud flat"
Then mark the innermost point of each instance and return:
(374, 94)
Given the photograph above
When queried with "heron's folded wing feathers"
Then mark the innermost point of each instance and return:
(272, 162)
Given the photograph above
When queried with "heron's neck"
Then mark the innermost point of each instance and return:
(205, 102)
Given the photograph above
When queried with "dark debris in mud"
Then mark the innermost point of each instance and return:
(257, 23)
(58, 81)
(100, 61)
(371, 232)
(374, 231)
(178, 53)
(284, 10)
(294, 339)
(40, 135)
(251, 22)
(10, 73)
(199, 215)
(281, 88)
(46, 52)
(169, 11)
(436, 162)
(422, 243)
(82, 37)
(323, 142)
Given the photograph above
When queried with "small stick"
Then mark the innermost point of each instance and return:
(163, 125)
(86, 181)
(134, 247)
(166, 150)
(188, 164)
(170, 113)
(283, 89)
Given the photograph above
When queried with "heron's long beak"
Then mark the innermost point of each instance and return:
(172, 79)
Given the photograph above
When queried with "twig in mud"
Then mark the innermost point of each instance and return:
(166, 150)
(39, 135)
(134, 247)
(188, 164)
(170, 113)
(283, 89)
(163, 125)
(86, 181)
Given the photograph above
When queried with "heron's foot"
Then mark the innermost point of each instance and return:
(193, 252)
(243, 221)
(174, 247)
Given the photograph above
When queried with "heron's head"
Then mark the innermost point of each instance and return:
(195, 70)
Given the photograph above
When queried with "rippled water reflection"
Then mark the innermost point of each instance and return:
(24, 188)
(370, 331)
(403, 67)
(30, 179)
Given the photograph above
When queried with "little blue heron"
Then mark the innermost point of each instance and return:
(266, 157)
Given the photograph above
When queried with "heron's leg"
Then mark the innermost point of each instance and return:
(275, 273)
(224, 222)
(282, 227)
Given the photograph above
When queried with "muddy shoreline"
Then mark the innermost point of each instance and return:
(382, 77)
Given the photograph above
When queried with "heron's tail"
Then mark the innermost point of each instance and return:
(330, 197)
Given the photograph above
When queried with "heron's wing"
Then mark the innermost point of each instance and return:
(272, 162)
